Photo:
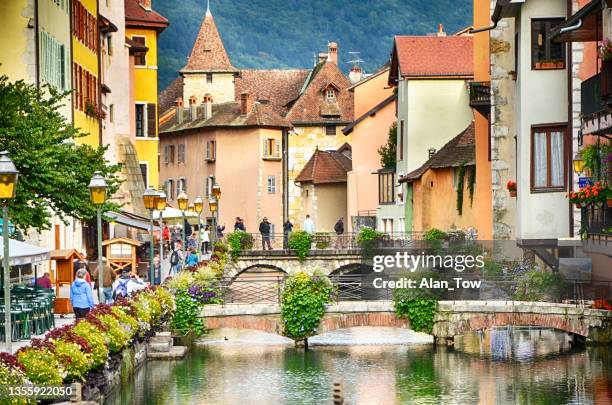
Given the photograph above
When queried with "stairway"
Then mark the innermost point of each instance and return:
(161, 347)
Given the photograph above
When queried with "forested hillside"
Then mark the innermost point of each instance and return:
(288, 33)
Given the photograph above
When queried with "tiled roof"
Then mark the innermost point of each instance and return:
(325, 167)
(226, 115)
(138, 16)
(425, 56)
(208, 53)
(276, 87)
(461, 150)
(168, 96)
(311, 104)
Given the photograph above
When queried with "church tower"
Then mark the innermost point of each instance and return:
(208, 69)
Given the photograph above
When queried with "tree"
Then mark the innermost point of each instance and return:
(388, 152)
(54, 171)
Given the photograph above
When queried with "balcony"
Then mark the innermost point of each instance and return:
(480, 96)
(595, 97)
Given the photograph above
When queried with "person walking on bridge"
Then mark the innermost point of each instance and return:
(264, 230)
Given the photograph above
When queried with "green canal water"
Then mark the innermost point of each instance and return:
(378, 366)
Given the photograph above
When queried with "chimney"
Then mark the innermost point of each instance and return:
(146, 4)
(355, 74)
(332, 49)
(193, 108)
(246, 103)
(431, 151)
(322, 57)
(207, 103)
(179, 110)
(441, 32)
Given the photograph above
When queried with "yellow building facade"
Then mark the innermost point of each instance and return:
(85, 71)
(145, 110)
(17, 60)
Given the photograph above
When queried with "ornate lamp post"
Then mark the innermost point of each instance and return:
(161, 206)
(183, 203)
(216, 193)
(213, 206)
(578, 163)
(198, 206)
(97, 193)
(8, 184)
(151, 198)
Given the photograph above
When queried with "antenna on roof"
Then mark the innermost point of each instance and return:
(208, 7)
(355, 59)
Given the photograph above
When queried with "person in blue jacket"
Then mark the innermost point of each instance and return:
(81, 295)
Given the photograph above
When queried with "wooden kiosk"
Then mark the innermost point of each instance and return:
(64, 275)
(121, 253)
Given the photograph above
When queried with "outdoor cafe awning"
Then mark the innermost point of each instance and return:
(24, 253)
(128, 219)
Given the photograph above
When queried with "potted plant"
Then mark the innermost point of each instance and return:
(605, 50)
(511, 186)
(597, 193)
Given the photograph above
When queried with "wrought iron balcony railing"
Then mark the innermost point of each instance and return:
(480, 95)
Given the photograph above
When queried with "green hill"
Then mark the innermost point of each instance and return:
(288, 33)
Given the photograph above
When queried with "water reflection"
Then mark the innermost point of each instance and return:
(234, 371)
(514, 343)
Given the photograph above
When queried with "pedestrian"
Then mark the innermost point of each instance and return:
(127, 283)
(239, 225)
(107, 281)
(44, 281)
(264, 230)
(187, 226)
(81, 295)
(339, 229)
(177, 234)
(83, 266)
(309, 225)
(192, 258)
(166, 234)
(156, 270)
(206, 239)
(220, 230)
(176, 258)
(287, 228)
(192, 241)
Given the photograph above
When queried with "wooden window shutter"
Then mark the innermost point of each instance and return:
(277, 149)
(214, 149)
(166, 158)
(208, 150)
(151, 120)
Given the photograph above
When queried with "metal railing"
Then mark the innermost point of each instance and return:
(376, 287)
(597, 219)
(329, 241)
(480, 94)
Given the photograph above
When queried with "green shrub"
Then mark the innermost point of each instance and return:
(186, 315)
(129, 322)
(239, 241)
(303, 303)
(12, 375)
(419, 312)
(367, 238)
(300, 241)
(41, 366)
(435, 234)
(541, 286)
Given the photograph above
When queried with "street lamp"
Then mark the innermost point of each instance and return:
(213, 206)
(151, 198)
(161, 206)
(97, 193)
(578, 163)
(8, 184)
(183, 202)
(198, 206)
(216, 193)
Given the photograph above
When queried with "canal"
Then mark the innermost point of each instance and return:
(378, 366)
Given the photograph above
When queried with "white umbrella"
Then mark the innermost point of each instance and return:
(174, 213)
(24, 253)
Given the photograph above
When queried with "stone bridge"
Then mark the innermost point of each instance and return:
(454, 318)
(328, 261)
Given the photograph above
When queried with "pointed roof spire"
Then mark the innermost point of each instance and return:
(208, 53)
